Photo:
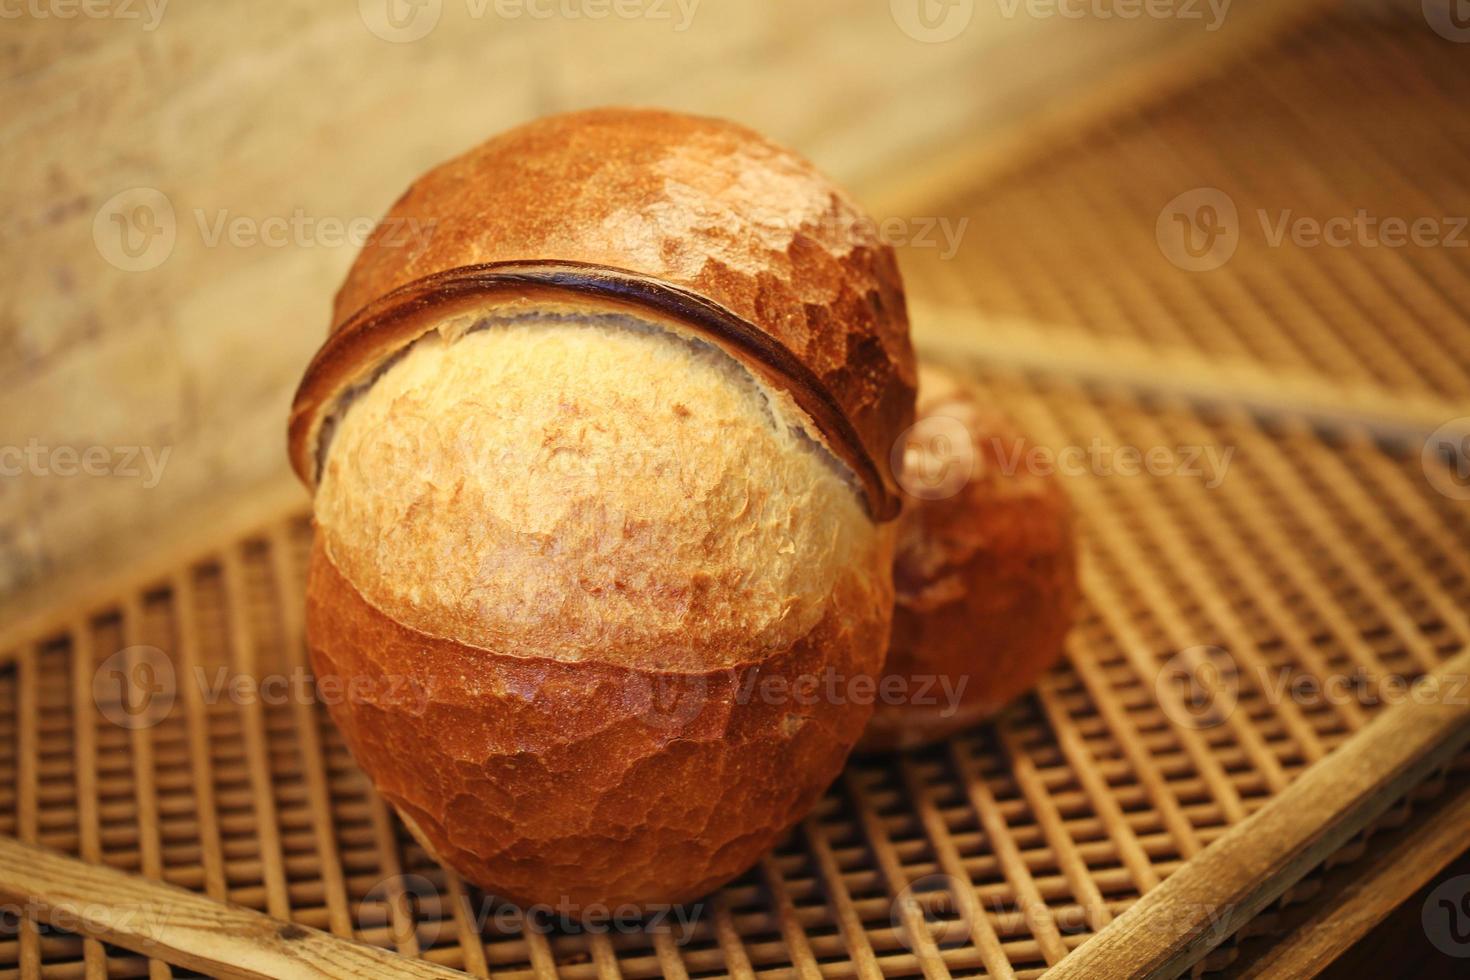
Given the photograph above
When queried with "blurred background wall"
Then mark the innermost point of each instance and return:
(186, 183)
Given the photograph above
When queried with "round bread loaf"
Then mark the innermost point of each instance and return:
(985, 572)
(596, 454)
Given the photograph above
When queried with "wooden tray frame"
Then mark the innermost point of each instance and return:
(1221, 834)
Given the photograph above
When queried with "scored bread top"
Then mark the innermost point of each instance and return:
(591, 489)
(698, 220)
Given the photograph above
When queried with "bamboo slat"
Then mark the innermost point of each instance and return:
(193, 931)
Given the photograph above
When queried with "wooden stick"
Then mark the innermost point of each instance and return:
(1226, 885)
(1400, 418)
(185, 928)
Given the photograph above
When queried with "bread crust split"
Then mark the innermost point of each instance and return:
(359, 349)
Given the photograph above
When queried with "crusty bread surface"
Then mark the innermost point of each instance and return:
(985, 579)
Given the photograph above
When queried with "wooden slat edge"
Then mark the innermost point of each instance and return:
(184, 928)
(1212, 896)
(1379, 884)
(1400, 418)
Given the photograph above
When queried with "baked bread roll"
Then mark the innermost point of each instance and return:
(985, 573)
(602, 446)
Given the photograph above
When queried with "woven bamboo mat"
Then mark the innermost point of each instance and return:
(1308, 559)
(1267, 552)
(1309, 154)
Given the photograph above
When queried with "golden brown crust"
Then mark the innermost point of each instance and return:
(575, 785)
(700, 205)
(985, 579)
